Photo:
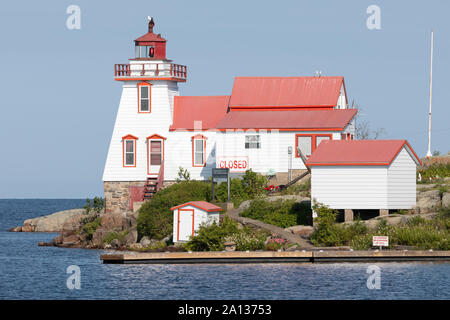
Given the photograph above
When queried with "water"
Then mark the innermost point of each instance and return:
(31, 272)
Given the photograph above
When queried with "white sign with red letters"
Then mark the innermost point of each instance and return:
(234, 163)
(380, 241)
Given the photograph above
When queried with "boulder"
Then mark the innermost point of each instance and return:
(424, 186)
(27, 228)
(136, 246)
(293, 248)
(446, 200)
(302, 231)
(113, 221)
(145, 241)
(15, 229)
(428, 201)
(115, 244)
(53, 222)
(70, 240)
(131, 237)
(98, 235)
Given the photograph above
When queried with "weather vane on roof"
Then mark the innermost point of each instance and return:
(151, 23)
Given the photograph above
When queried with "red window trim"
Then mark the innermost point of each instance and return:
(154, 137)
(129, 137)
(178, 222)
(149, 85)
(313, 141)
(199, 137)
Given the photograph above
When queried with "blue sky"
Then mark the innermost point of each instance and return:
(59, 100)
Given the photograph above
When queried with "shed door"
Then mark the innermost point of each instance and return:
(185, 224)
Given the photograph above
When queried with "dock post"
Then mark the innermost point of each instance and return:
(348, 215)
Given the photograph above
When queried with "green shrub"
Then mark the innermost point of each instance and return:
(440, 170)
(155, 217)
(248, 239)
(280, 213)
(212, 237)
(298, 188)
(90, 227)
(237, 194)
(327, 232)
(115, 235)
(275, 244)
(97, 205)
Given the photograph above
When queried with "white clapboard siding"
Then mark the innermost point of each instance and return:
(350, 187)
(402, 182)
(200, 217)
(141, 125)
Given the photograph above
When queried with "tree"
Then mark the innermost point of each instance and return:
(362, 127)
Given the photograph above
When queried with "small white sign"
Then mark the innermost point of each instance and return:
(380, 241)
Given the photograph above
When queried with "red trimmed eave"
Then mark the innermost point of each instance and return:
(288, 92)
(156, 136)
(199, 136)
(288, 120)
(129, 136)
(150, 37)
(358, 153)
(208, 207)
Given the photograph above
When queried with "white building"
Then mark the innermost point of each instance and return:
(188, 217)
(157, 130)
(364, 174)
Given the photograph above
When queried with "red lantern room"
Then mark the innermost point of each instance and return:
(150, 45)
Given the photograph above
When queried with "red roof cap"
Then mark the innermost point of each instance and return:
(286, 91)
(208, 207)
(150, 37)
(359, 152)
(288, 119)
(209, 110)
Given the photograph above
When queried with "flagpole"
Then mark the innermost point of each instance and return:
(431, 87)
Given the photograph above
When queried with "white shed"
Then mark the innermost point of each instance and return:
(364, 174)
(188, 217)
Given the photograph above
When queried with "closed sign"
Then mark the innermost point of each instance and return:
(380, 241)
(235, 164)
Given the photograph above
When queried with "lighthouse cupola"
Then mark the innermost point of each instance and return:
(150, 62)
(150, 45)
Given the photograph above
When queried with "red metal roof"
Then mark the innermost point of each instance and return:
(208, 207)
(150, 37)
(208, 109)
(266, 92)
(288, 119)
(358, 152)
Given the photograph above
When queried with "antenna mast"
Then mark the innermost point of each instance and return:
(431, 86)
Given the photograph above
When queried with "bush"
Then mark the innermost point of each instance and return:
(115, 235)
(275, 244)
(155, 218)
(298, 188)
(97, 205)
(280, 213)
(326, 232)
(433, 171)
(250, 186)
(212, 237)
(248, 239)
(90, 227)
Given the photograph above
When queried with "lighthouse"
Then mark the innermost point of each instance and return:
(136, 152)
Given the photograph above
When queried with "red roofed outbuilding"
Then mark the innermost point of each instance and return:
(364, 174)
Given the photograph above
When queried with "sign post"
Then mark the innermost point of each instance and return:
(221, 174)
(380, 241)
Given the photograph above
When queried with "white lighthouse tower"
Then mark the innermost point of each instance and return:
(135, 161)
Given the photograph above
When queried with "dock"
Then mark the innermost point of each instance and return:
(319, 256)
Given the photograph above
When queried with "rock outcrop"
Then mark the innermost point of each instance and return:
(50, 223)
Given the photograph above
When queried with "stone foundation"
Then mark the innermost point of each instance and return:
(117, 195)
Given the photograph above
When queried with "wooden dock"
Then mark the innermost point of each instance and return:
(274, 257)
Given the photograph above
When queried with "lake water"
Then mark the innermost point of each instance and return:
(31, 272)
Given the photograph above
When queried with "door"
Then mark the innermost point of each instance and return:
(185, 224)
(155, 156)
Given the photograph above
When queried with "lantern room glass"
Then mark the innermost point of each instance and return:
(144, 51)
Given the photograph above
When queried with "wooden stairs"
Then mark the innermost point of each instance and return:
(151, 187)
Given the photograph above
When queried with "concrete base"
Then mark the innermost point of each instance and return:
(384, 212)
(348, 215)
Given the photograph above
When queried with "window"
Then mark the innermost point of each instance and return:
(198, 151)
(144, 96)
(252, 142)
(307, 143)
(304, 143)
(319, 139)
(155, 153)
(129, 150)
